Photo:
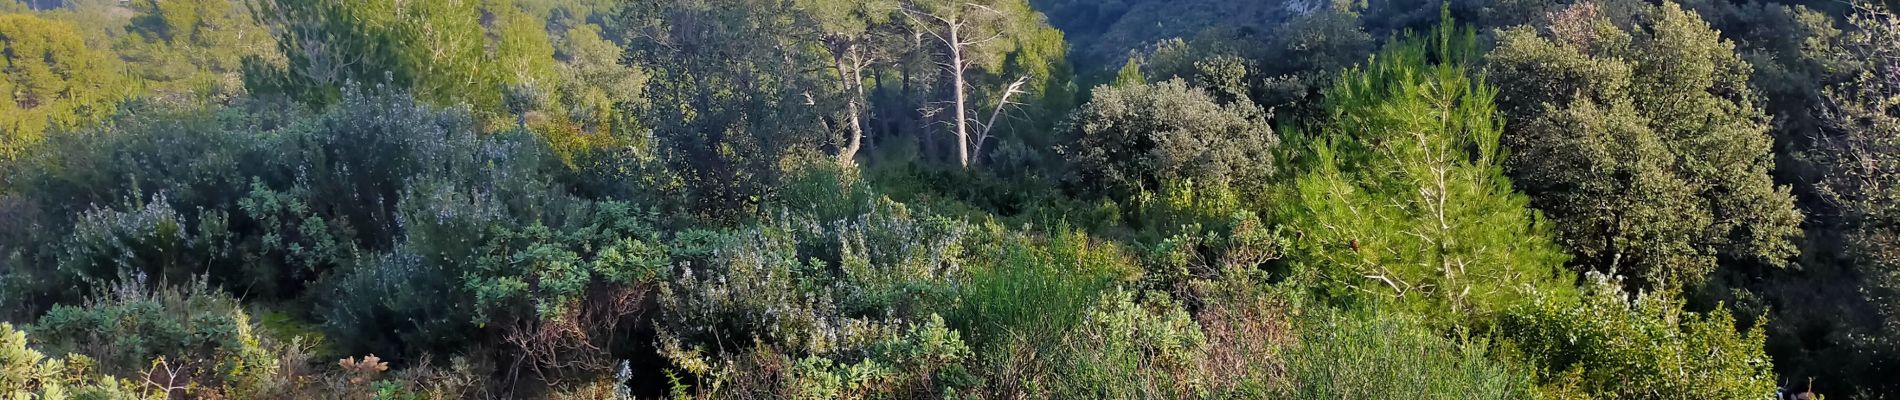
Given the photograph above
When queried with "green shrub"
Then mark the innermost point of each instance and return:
(872, 360)
(1024, 286)
(148, 239)
(262, 201)
(1372, 355)
(25, 373)
(1648, 347)
(811, 297)
(542, 271)
(296, 244)
(1129, 349)
(1204, 235)
(1134, 138)
(196, 334)
(791, 280)
(1248, 324)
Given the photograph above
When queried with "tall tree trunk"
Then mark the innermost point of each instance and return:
(962, 116)
(851, 74)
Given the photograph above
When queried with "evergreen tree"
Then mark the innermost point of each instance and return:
(1403, 196)
(1643, 141)
(1862, 158)
(193, 48)
(51, 80)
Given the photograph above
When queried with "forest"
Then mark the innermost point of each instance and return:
(959, 199)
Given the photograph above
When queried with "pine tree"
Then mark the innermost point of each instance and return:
(51, 80)
(1404, 197)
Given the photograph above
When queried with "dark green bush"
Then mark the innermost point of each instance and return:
(1136, 138)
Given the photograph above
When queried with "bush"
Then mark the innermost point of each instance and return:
(1194, 235)
(150, 239)
(790, 281)
(194, 334)
(1019, 286)
(819, 305)
(1124, 349)
(261, 201)
(562, 295)
(1370, 355)
(1646, 348)
(1135, 138)
(1248, 325)
(24, 372)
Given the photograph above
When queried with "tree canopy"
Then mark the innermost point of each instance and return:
(1644, 141)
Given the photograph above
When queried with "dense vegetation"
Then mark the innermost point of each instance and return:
(830, 199)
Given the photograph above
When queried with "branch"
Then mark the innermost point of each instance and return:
(912, 14)
(984, 128)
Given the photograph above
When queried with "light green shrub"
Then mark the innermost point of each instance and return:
(1127, 349)
(195, 333)
(1374, 355)
(1612, 344)
(25, 373)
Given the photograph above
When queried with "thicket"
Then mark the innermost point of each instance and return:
(836, 199)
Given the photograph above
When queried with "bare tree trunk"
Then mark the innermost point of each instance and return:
(963, 117)
(851, 75)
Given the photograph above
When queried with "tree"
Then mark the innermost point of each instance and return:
(971, 34)
(1404, 198)
(440, 49)
(726, 94)
(325, 44)
(852, 32)
(51, 79)
(1130, 74)
(1861, 156)
(525, 55)
(1139, 137)
(594, 83)
(1644, 143)
(193, 48)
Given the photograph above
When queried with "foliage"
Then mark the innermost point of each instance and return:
(496, 56)
(1124, 349)
(1403, 197)
(192, 50)
(194, 334)
(1019, 286)
(594, 84)
(1863, 118)
(1643, 143)
(719, 102)
(24, 372)
(787, 320)
(53, 80)
(1140, 137)
(1861, 146)
(1644, 347)
(602, 199)
(1357, 354)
